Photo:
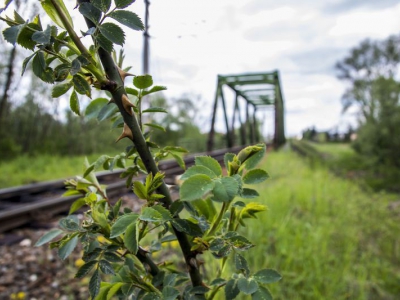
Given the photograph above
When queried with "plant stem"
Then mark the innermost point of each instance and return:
(116, 88)
(218, 220)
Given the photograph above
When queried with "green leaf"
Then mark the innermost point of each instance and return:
(209, 162)
(154, 89)
(251, 209)
(267, 276)
(25, 63)
(107, 111)
(187, 227)
(262, 294)
(48, 237)
(240, 243)
(225, 189)
(94, 284)
(66, 248)
(60, 89)
(106, 267)
(112, 257)
(38, 64)
(249, 193)
(113, 32)
(150, 215)
(241, 264)
(166, 215)
(228, 157)
(195, 187)
(143, 81)
(81, 85)
(114, 289)
(205, 208)
(179, 160)
(94, 108)
(152, 296)
(123, 3)
(52, 12)
(104, 43)
(61, 72)
(247, 285)
(104, 289)
(122, 223)
(176, 149)
(152, 125)
(90, 11)
(42, 37)
(74, 103)
(170, 293)
(194, 170)
(92, 255)
(140, 190)
(132, 91)
(231, 289)
(218, 282)
(24, 38)
(131, 241)
(128, 19)
(154, 109)
(85, 269)
(103, 5)
(255, 155)
(77, 204)
(255, 176)
(10, 34)
(75, 66)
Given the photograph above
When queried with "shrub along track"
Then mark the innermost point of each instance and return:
(20, 206)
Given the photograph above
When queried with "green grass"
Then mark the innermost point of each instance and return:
(26, 170)
(328, 238)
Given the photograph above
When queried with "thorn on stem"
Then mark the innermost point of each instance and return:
(126, 132)
(128, 105)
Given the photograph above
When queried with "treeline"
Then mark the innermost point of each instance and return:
(371, 72)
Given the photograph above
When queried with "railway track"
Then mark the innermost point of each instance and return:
(20, 206)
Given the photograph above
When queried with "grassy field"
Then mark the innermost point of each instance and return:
(26, 170)
(327, 237)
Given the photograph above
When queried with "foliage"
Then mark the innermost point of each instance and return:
(121, 264)
(370, 70)
(322, 224)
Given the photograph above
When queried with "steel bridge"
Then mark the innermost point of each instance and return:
(257, 90)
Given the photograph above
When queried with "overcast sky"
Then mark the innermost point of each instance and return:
(193, 41)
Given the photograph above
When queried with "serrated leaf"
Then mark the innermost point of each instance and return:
(258, 154)
(249, 193)
(38, 64)
(66, 248)
(122, 223)
(231, 289)
(170, 293)
(123, 3)
(112, 257)
(25, 63)
(92, 255)
(154, 109)
(267, 276)
(106, 267)
(127, 18)
(225, 189)
(150, 215)
(187, 227)
(251, 209)
(52, 12)
(140, 190)
(77, 204)
(176, 149)
(60, 89)
(228, 157)
(10, 34)
(48, 237)
(81, 85)
(131, 240)
(166, 215)
(94, 284)
(24, 38)
(104, 43)
(90, 11)
(74, 103)
(143, 81)
(255, 176)
(209, 162)
(113, 32)
(205, 208)
(42, 37)
(241, 264)
(85, 269)
(61, 72)
(218, 282)
(262, 294)
(94, 107)
(240, 243)
(103, 5)
(154, 89)
(247, 285)
(152, 125)
(195, 187)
